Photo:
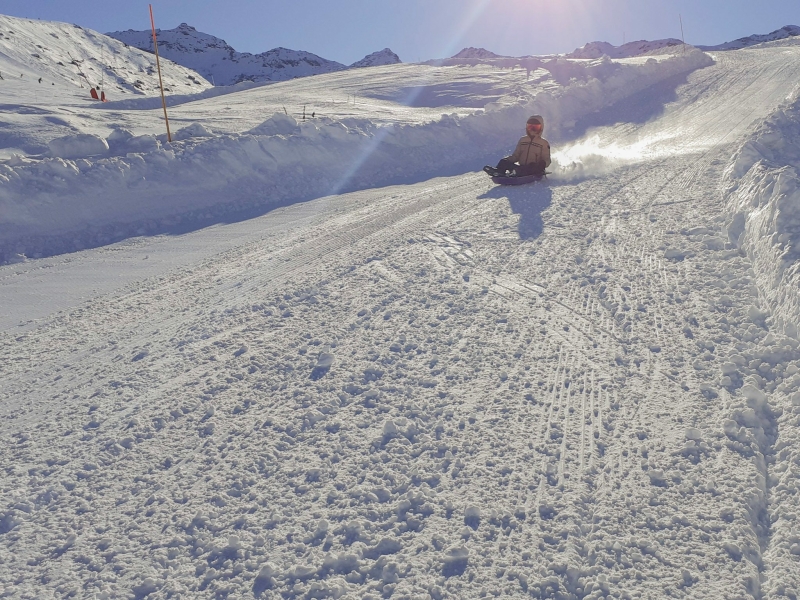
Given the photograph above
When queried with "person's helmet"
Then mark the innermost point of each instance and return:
(535, 124)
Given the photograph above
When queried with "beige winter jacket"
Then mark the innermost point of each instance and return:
(531, 150)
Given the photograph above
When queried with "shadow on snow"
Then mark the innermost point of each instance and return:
(527, 201)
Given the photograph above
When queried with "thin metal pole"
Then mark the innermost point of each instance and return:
(682, 38)
(160, 82)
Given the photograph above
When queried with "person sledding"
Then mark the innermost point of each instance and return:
(531, 157)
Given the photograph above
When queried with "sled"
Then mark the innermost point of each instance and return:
(518, 180)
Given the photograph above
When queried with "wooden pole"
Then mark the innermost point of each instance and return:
(160, 82)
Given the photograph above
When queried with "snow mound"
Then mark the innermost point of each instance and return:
(216, 60)
(200, 176)
(79, 145)
(65, 54)
(277, 124)
(783, 33)
(378, 59)
(763, 202)
(122, 141)
(195, 130)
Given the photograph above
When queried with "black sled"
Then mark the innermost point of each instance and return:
(514, 179)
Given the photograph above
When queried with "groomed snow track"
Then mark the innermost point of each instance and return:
(559, 391)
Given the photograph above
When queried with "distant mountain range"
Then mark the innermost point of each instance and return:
(594, 50)
(598, 49)
(751, 40)
(215, 60)
(122, 62)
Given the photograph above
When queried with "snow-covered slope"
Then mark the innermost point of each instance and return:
(783, 33)
(598, 49)
(64, 54)
(437, 390)
(378, 59)
(216, 60)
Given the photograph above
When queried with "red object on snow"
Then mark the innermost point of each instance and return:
(103, 96)
(94, 94)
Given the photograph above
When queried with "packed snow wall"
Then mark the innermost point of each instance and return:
(762, 194)
(93, 192)
(763, 201)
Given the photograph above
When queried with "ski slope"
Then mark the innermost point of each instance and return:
(442, 389)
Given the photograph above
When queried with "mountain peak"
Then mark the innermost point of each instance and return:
(379, 58)
(476, 53)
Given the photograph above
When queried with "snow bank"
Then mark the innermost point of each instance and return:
(763, 202)
(60, 204)
(762, 193)
(78, 146)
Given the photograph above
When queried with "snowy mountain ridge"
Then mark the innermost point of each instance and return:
(476, 53)
(783, 33)
(597, 49)
(216, 60)
(638, 48)
(594, 50)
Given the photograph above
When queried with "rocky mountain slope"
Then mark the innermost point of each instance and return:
(476, 53)
(378, 59)
(751, 40)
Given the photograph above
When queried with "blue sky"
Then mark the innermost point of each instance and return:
(346, 30)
